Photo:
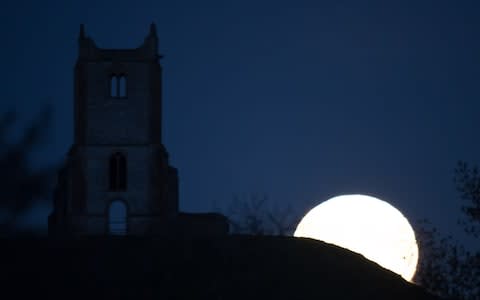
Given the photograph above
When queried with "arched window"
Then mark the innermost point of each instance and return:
(118, 86)
(113, 87)
(118, 172)
(122, 86)
(117, 218)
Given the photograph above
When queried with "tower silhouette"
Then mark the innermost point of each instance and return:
(117, 178)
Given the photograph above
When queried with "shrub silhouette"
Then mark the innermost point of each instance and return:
(21, 186)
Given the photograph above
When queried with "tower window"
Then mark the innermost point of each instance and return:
(118, 172)
(118, 86)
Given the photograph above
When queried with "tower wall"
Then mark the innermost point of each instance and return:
(126, 120)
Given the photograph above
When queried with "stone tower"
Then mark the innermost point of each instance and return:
(117, 178)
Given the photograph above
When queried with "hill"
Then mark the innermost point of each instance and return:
(232, 267)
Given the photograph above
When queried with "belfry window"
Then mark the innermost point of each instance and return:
(118, 172)
(118, 86)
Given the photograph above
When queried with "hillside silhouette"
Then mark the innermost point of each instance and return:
(230, 267)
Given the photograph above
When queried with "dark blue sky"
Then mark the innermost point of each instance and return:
(302, 100)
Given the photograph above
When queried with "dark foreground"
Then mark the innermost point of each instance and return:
(235, 267)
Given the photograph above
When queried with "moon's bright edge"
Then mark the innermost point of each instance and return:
(368, 226)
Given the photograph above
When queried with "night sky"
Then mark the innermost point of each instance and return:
(300, 100)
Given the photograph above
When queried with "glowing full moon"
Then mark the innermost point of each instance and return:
(365, 225)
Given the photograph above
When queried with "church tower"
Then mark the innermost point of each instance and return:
(117, 179)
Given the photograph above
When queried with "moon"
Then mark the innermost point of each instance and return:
(368, 226)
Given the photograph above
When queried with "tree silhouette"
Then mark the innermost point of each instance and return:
(21, 186)
(255, 215)
(446, 267)
(467, 183)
